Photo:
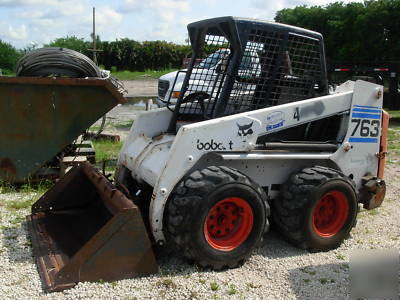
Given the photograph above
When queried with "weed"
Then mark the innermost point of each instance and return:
(253, 286)
(306, 270)
(168, 283)
(344, 266)
(214, 286)
(340, 256)
(101, 281)
(114, 284)
(232, 290)
(373, 212)
(306, 280)
(94, 128)
(202, 281)
(323, 280)
(193, 295)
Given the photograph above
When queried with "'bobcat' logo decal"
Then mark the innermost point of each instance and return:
(245, 130)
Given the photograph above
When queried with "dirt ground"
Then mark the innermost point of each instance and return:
(141, 88)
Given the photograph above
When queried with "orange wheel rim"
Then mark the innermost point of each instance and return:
(330, 214)
(228, 224)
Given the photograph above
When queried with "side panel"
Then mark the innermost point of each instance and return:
(358, 156)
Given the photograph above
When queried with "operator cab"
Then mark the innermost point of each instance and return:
(285, 64)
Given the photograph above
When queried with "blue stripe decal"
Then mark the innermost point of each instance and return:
(376, 111)
(363, 140)
(366, 116)
(366, 106)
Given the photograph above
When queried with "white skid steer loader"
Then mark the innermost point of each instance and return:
(209, 171)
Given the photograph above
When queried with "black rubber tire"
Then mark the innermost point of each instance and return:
(292, 210)
(190, 203)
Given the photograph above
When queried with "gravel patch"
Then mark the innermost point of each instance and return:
(277, 270)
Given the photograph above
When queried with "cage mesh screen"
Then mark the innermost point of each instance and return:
(276, 68)
(207, 78)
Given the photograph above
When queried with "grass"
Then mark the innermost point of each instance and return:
(168, 283)
(106, 150)
(124, 125)
(323, 280)
(373, 212)
(214, 286)
(6, 187)
(253, 286)
(148, 74)
(7, 72)
(20, 204)
(308, 271)
(29, 193)
(232, 290)
(394, 135)
(340, 256)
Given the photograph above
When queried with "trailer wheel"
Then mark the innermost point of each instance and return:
(216, 216)
(317, 208)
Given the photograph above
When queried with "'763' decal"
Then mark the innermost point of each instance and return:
(366, 120)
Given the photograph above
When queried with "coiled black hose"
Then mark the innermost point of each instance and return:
(58, 62)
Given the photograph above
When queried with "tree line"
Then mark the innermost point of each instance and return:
(368, 31)
(124, 54)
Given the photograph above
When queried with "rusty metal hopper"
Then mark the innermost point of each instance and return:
(41, 116)
(83, 229)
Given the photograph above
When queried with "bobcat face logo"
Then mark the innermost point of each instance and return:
(245, 130)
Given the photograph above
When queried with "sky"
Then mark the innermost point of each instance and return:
(24, 23)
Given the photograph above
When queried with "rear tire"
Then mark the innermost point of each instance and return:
(216, 216)
(317, 208)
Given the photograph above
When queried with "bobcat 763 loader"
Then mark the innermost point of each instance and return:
(206, 174)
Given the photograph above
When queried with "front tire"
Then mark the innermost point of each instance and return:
(317, 208)
(216, 216)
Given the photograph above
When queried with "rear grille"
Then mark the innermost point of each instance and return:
(163, 86)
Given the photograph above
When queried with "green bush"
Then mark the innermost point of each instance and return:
(127, 54)
(367, 31)
(124, 54)
(73, 43)
(8, 57)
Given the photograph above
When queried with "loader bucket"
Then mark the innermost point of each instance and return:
(83, 229)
